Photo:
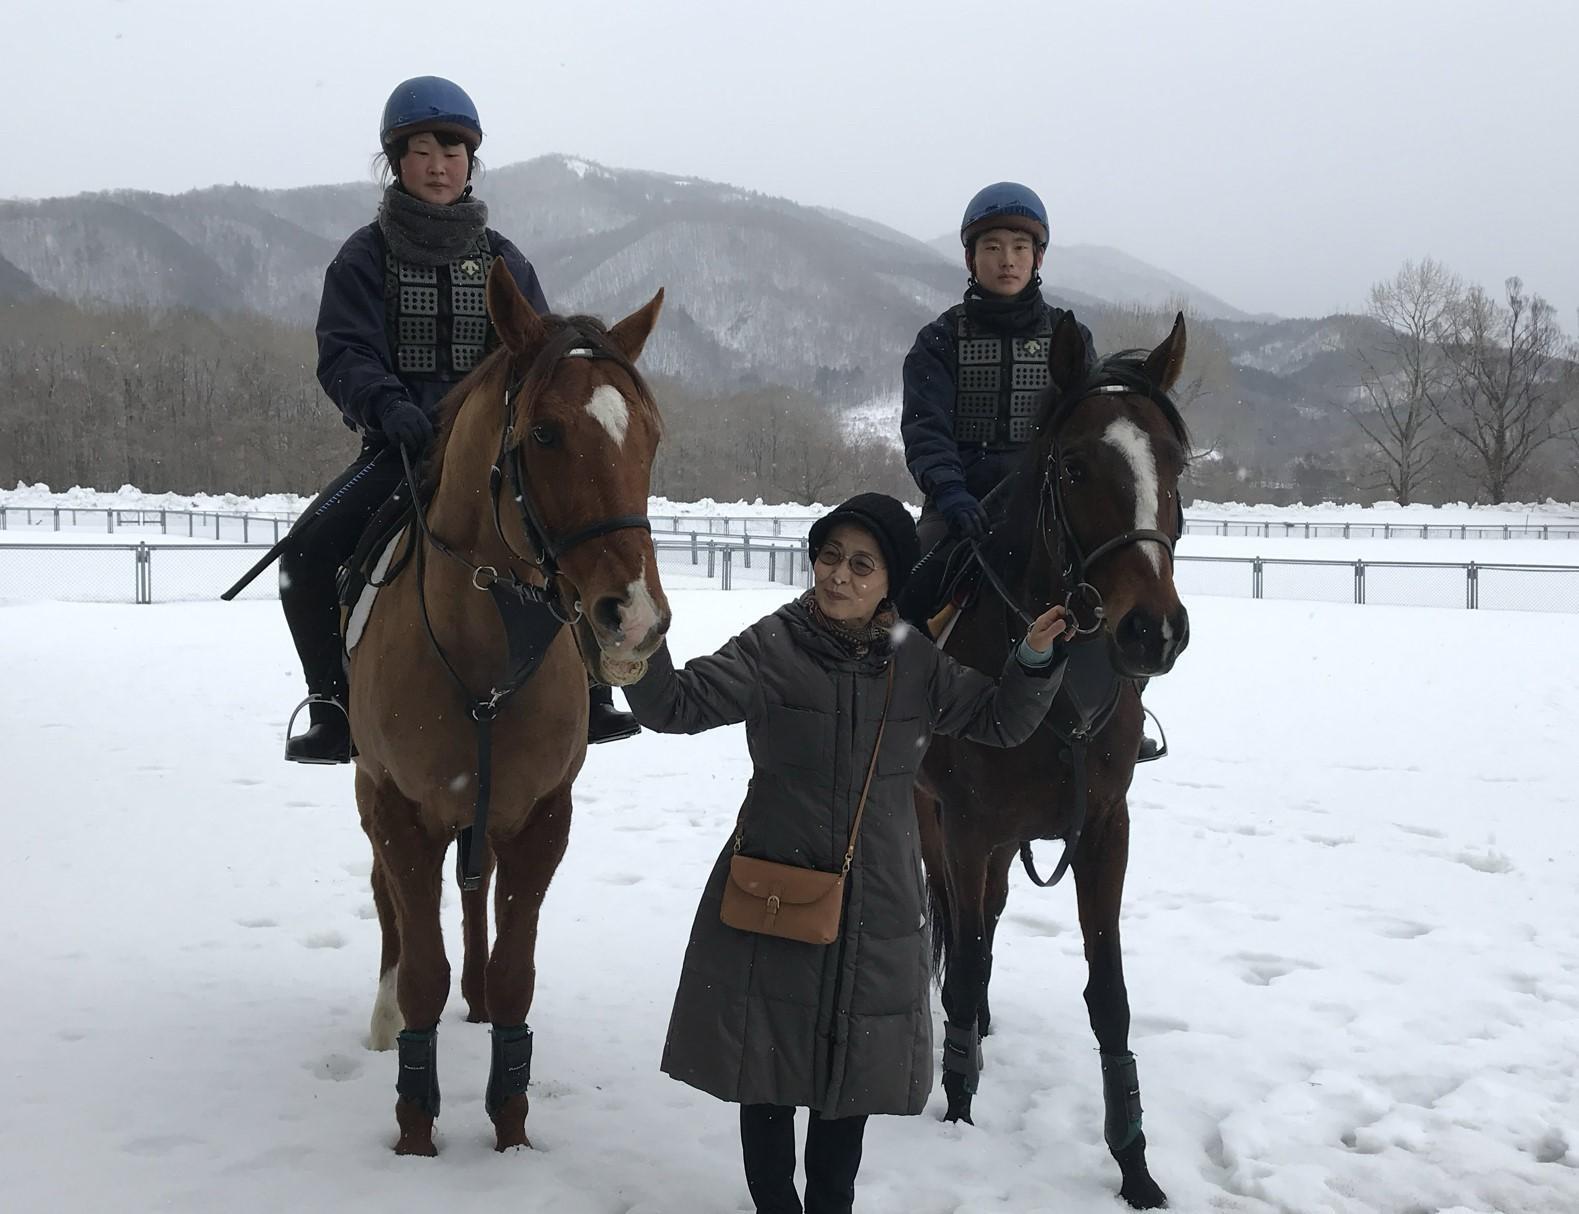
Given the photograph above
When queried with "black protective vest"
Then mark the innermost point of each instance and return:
(998, 382)
(436, 317)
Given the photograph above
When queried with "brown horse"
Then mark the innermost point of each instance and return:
(445, 718)
(1092, 517)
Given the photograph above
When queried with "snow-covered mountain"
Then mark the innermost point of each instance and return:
(760, 289)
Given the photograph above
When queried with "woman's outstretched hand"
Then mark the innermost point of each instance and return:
(1053, 625)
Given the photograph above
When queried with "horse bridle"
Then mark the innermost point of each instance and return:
(1082, 595)
(570, 343)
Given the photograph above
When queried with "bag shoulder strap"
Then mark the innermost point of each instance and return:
(871, 768)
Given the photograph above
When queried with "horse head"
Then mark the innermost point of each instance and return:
(575, 450)
(1110, 454)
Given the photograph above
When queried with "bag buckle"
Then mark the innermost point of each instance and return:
(773, 904)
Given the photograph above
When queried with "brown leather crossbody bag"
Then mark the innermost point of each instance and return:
(784, 900)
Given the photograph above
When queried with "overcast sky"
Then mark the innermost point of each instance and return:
(1282, 154)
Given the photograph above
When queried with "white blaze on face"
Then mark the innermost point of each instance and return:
(608, 407)
(1133, 444)
(639, 614)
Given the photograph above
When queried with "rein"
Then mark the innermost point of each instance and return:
(531, 615)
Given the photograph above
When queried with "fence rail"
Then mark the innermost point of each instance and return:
(248, 527)
(151, 572)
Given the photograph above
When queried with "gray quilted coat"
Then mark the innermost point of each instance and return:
(845, 1028)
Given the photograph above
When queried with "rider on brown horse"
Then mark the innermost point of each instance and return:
(402, 320)
(974, 379)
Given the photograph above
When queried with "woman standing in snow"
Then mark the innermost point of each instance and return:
(835, 699)
(403, 319)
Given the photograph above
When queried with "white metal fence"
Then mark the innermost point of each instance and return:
(153, 572)
(240, 527)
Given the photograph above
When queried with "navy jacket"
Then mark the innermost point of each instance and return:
(927, 421)
(355, 365)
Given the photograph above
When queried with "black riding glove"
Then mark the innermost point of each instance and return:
(404, 423)
(966, 517)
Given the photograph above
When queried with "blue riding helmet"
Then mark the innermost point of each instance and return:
(430, 103)
(1005, 204)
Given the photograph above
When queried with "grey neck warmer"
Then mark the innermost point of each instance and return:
(428, 235)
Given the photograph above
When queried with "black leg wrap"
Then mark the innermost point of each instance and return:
(419, 1071)
(962, 1054)
(511, 1069)
(1121, 1096)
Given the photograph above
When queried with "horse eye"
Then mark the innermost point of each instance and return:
(1075, 470)
(545, 435)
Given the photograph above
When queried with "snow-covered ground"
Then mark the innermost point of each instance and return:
(1348, 929)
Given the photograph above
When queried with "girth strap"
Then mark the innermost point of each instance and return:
(1076, 755)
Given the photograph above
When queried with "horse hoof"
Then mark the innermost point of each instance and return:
(416, 1144)
(1138, 1189)
(509, 1125)
(416, 1131)
(1142, 1193)
(475, 1015)
(959, 1111)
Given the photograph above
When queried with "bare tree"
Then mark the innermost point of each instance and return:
(1401, 371)
(1503, 389)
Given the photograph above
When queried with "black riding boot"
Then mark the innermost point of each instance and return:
(605, 723)
(326, 740)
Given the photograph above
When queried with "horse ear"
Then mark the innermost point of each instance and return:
(518, 325)
(1069, 359)
(1164, 364)
(631, 334)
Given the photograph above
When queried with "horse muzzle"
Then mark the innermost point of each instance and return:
(1146, 643)
(626, 629)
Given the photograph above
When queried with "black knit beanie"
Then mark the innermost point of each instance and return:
(890, 524)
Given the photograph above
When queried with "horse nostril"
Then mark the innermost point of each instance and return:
(1135, 629)
(606, 614)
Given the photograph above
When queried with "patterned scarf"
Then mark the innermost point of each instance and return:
(428, 235)
(874, 634)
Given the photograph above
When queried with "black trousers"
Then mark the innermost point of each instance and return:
(337, 518)
(833, 1157)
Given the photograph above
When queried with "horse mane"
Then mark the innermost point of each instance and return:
(565, 333)
(1009, 548)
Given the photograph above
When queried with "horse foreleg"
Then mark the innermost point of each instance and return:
(411, 861)
(386, 1023)
(997, 897)
(474, 933)
(1099, 886)
(526, 866)
(965, 972)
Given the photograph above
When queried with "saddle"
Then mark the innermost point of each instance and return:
(362, 570)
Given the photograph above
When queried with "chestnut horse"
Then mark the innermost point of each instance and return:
(1092, 517)
(442, 736)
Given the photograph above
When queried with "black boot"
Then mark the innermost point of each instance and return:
(605, 723)
(327, 739)
(1150, 749)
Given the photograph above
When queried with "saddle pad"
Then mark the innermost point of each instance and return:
(356, 621)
